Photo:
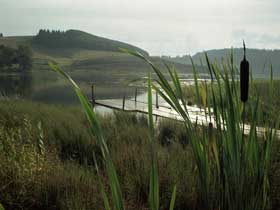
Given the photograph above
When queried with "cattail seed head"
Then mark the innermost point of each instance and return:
(210, 133)
(244, 77)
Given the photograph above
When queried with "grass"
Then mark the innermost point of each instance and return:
(67, 177)
(36, 171)
(261, 87)
(229, 164)
(215, 169)
(127, 137)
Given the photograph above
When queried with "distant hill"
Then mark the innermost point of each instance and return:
(79, 39)
(260, 59)
(74, 49)
(81, 52)
(63, 41)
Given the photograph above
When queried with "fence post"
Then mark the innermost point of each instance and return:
(157, 100)
(123, 104)
(92, 96)
(135, 98)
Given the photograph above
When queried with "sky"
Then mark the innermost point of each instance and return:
(162, 27)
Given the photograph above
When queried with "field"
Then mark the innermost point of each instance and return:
(67, 157)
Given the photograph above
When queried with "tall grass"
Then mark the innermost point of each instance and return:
(233, 168)
(116, 193)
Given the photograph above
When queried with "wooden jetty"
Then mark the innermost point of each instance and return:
(164, 110)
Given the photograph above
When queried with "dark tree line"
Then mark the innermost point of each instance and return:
(55, 38)
(19, 59)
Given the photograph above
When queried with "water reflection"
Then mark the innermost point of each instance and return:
(19, 85)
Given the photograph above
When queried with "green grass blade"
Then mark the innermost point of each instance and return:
(1, 207)
(101, 186)
(154, 182)
(173, 198)
(195, 76)
(96, 131)
(91, 116)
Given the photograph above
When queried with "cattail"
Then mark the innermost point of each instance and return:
(244, 77)
(210, 133)
(210, 139)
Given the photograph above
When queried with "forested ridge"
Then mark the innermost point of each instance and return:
(78, 39)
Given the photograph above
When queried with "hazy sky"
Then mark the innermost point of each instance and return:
(169, 27)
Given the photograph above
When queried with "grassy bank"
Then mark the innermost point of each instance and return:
(50, 166)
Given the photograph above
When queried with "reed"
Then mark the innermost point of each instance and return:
(244, 77)
(232, 168)
(116, 192)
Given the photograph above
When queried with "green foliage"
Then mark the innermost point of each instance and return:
(97, 132)
(24, 58)
(230, 170)
(116, 193)
(10, 57)
(170, 131)
(230, 165)
(154, 183)
(68, 183)
(79, 39)
(62, 130)
(1, 207)
(33, 179)
(7, 56)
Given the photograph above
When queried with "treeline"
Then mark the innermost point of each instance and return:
(19, 59)
(54, 38)
(78, 39)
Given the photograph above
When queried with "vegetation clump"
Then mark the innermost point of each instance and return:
(15, 60)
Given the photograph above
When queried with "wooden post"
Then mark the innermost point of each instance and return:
(123, 104)
(135, 98)
(157, 100)
(92, 96)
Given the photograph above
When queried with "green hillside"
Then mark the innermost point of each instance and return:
(78, 39)
(112, 71)
(77, 51)
(260, 59)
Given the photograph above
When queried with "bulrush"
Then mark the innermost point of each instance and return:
(244, 77)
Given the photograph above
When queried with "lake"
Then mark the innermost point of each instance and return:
(48, 87)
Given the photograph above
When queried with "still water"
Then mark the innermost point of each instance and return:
(45, 88)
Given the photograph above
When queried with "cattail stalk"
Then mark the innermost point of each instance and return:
(244, 77)
(244, 89)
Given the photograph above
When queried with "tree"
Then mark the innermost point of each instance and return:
(1, 35)
(24, 57)
(7, 56)
(15, 59)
